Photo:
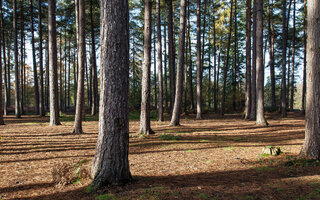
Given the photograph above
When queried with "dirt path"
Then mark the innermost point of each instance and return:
(216, 158)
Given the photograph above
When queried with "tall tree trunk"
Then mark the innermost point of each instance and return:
(165, 66)
(190, 62)
(253, 111)
(1, 32)
(271, 52)
(235, 58)
(145, 98)
(6, 71)
(186, 66)
(155, 68)
(293, 56)
(159, 51)
(199, 70)
(22, 58)
(304, 86)
(47, 76)
(111, 164)
(260, 67)
(248, 61)
(69, 73)
(175, 120)
(225, 70)
(94, 65)
(35, 70)
(15, 32)
(53, 67)
(171, 54)
(311, 146)
(41, 99)
(284, 57)
(215, 103)
(77, 128)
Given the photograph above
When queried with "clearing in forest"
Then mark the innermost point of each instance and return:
(214, 158)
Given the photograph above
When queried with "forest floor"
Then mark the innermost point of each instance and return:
(215, 158)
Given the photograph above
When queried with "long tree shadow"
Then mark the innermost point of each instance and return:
(265, 182)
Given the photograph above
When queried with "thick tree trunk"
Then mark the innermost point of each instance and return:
(260, 66)
(175, 120)
(253, 111)
(111, 163)
(311, 146)
(284, 57)
(304, 86)
(41, 99)
(145, 91)
(17, 82)
(199, 70)
(94, 66)
(53, 67)
(35, 70)
(77, 128)
(226, 66)
(159, 51)
(271, 52)
(293, 56)
(248, 61)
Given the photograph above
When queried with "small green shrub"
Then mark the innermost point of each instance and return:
(169, 137)
(106, 197)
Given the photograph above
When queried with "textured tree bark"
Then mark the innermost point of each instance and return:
(215, 104)
(35, 70)
(6, 89)
(293, 56)
(145, 91)
(77, 128)
(260, 120)
(111, 164)
(41, 98)
(15, 32)
(53, 67)
(199, 70)
(248, 61)
(185, 87)
(159, 51)
(94, 66)
(311, 146)
(271, 52)
(155, 68)
(235, 59)
(171, 54)
(175, 120)
(284, 53)
(1, 32)
(304, 86)
(253, 111)
(225, 70)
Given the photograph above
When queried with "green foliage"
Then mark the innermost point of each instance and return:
(300, 162)
(203, 196)
(88, 189)
(228, 148)
(169, 137)
(263, 168)
(106, 197)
